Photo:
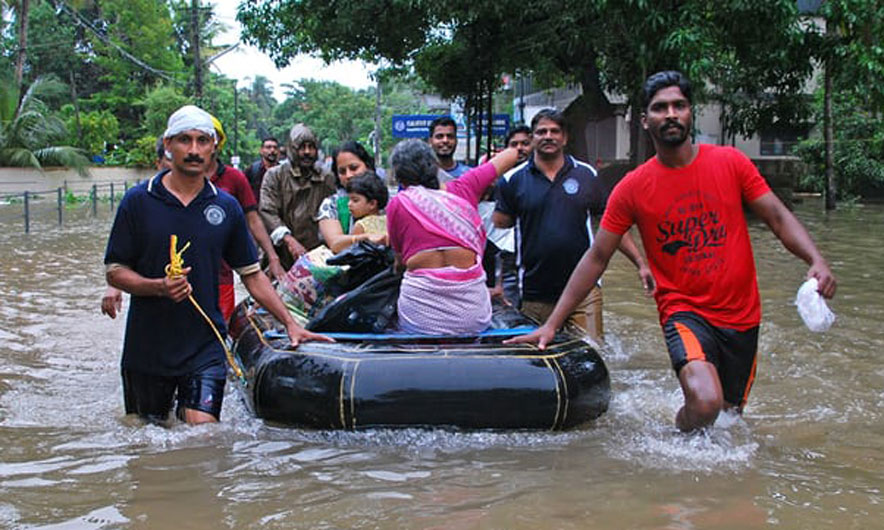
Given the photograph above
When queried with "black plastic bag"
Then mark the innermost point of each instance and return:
(370, 308)
(365, 260)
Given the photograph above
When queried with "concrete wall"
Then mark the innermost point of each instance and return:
(19, 180)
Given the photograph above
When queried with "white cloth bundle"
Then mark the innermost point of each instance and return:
(812, 307)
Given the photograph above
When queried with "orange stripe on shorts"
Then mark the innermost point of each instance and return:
(691, 345)
(749, 383)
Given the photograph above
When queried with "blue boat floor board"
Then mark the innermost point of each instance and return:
(490, 333)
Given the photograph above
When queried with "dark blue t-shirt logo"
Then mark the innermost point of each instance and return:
(214, 214)
(571, 186)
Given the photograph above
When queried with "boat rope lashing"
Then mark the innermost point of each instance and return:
(174, 269)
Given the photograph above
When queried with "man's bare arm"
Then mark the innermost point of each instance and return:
(587, 273)
(796, 239)
(259, 287)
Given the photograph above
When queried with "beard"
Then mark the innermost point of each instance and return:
(306, 161)
(444, 151)
(673, 133)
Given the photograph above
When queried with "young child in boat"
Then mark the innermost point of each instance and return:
(368, 196)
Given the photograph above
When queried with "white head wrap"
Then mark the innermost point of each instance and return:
(189, 117)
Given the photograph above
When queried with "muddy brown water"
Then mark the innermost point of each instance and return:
(807, 453)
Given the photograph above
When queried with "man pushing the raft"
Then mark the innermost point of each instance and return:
(688, 204)
(165, 248)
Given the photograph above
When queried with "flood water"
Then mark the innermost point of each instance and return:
(807, 453)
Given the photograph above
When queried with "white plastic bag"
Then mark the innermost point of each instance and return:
(812, 307)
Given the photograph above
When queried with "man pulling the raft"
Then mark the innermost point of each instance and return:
(170, 349)
(688, 202)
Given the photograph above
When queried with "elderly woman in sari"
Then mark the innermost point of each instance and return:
(439, 237)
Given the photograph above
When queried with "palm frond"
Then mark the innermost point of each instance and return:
(64, 155)
(18, 157)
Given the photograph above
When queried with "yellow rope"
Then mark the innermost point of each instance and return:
(174, 270)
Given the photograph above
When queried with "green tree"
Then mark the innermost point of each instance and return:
(260, 93)
(135, 50)
(334, 112)
(30, 136)
(158, 104)
(98, 128)
(857, 149)
(851, 53)
(846, 156)
(597, 43)
(218, 99)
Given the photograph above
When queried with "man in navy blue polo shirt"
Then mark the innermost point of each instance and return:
(169, 349)
(551, 199)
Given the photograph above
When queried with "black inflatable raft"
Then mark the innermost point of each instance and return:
(393, 380)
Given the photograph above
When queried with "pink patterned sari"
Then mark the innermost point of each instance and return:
(447, 300)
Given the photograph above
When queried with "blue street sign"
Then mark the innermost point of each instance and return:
(500, 124)
(418, 125)
(412, 125)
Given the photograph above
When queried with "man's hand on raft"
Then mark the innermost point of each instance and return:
(540, 336)
(297, 335)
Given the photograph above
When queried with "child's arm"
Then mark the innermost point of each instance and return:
(357, 229)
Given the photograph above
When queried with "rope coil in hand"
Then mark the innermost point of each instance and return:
(174, 269)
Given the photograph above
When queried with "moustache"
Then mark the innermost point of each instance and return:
(671, 125)
(194, 158)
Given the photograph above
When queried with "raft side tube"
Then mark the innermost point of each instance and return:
(475, 383)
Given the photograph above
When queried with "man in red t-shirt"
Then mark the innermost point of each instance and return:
(234, 182)
(688, 205)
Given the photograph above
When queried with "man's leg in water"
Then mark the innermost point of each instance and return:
(201, 394)
(703, 397)
(694, 351)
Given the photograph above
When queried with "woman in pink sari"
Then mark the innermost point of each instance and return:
(439, 237)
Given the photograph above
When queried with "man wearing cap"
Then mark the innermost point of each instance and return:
(170, 352)
(234, 182)
(291, 194)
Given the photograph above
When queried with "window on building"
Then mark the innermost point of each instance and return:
(781, 140)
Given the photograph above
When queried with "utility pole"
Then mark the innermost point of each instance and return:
(235, 124)
(195, 45)
(377, 123)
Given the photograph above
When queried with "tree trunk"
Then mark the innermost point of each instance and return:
(76, 103)
(22, 42)
(490, 119)
(831, 185)
(378, 160)
(640, 148)
(195, 44)
(468, 121)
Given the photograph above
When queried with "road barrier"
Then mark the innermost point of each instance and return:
(59, 203)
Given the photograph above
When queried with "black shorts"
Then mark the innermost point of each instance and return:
(152, 396)
(690, 337)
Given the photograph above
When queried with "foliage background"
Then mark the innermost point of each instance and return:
(124, 65)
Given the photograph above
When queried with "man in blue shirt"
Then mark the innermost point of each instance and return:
(551, 199)
(169, 349)
(443, 140)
